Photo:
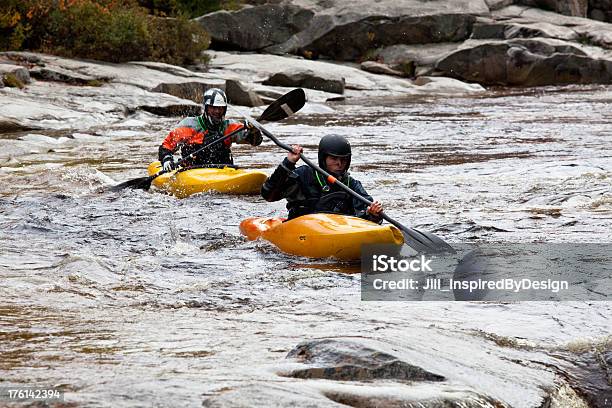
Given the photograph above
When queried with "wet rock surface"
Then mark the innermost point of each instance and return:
(237, 93)
(526, 63)
(255, 28)
(348, 361)
(68, 93)
(307, 79)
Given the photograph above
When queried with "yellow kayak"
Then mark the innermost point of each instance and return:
(226, 180)
(321, 235)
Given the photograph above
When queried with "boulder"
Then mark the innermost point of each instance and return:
(422, 55)
(576, 8)
(505, 30)
(305, 78)
(254, 28)
(498, 4)
(353, 40)
(59, 74)
(187, 90)
(526, 63)
(19, 72)
(380, 68)
(8, 125)
(600, 10)
(341, 360)
(239, 94)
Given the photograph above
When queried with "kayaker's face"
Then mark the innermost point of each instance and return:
(216, 113)
(336, 165)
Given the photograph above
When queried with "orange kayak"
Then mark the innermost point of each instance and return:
(321, 235)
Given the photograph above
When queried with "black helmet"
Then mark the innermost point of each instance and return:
(334, 145)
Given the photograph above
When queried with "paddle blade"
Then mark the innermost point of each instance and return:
(142, 183)
(425, 242)
(284, 106)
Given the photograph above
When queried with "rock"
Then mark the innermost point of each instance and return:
(187, 90)
(526, 63)
(576, 8)
(498, 4)
(168, 68)
(423, 55)
(588, 373)
(601, 10)
(597, 14)
(10, 126)
(445, 85)
(22, 57)
(307, 79)
(508, 30)
(173, 110)
(254, 28)
(415, 396)
(341, 360)
(63, 75)
(352, 41)
(17, 71)
(358, 82)
(379, 68)
(238, 94)
(339, 30)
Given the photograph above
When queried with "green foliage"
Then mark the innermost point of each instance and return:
(108, 30)
(178, 37)
(189, 8)
(88, 30)
(406, 67)
(12, 81)
(197, 8)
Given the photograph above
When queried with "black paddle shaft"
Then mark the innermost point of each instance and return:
(420, 241)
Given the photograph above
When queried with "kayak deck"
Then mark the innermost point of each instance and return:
(321, 235)
(225, 180)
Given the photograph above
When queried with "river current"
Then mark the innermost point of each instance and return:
(138, 298)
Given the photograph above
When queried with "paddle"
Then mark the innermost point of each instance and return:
(420, 241)
(281, 108)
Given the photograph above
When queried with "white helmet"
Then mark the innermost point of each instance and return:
(214, 97)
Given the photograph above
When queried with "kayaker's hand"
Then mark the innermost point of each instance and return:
(168, 164)
(294, 156)
(375, 209)
(254, 137)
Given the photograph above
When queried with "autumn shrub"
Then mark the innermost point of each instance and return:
(108, 30)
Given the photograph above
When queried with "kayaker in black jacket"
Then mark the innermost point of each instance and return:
(308, 192)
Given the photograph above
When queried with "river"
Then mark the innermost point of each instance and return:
(140, 299)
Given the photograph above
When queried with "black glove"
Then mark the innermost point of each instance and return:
(254, 137)
(168, 164)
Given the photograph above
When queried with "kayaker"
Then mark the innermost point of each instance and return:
(308, 192)
(193, 132)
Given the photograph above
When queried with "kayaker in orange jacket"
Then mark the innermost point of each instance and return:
(308, 192)
(193, 132)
